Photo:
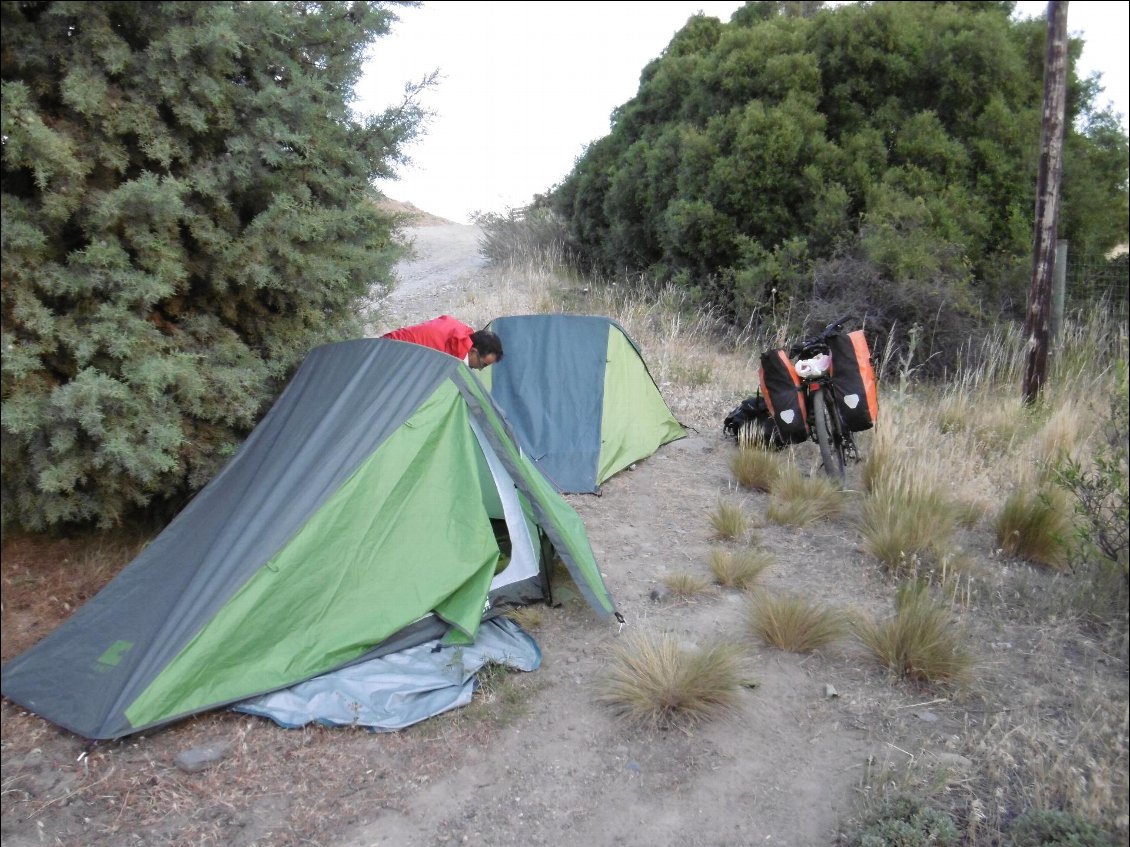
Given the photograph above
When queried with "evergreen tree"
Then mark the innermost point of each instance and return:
(187, 210)
(873, 158)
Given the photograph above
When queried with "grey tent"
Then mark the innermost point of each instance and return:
(579, 397)
(381, 502)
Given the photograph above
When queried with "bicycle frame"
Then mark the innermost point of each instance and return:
(827, 427)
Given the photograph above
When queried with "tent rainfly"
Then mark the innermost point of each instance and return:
(579, 397)
(382, 502)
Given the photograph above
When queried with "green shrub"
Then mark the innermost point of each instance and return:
(1050, 828)
(903, 820)
(1100, 491)
(182, 223)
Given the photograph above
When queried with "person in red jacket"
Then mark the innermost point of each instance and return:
(478, 349)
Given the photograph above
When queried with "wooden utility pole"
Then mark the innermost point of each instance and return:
(1047, 201)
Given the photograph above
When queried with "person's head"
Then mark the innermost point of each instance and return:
(486, 349)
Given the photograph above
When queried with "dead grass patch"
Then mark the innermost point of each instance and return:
(920, 642)
(739, 569)
(794, 623)
(798, 500)
(654, 682)
(1035, 525)
(686, 585)
(729, 521)
(755, 468)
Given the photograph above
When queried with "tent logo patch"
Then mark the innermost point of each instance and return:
(114, 653)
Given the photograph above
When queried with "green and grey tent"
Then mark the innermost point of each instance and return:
(579, 397)
(380, 503)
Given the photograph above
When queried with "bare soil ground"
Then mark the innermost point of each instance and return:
(535, 760)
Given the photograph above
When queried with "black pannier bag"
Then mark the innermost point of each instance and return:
(853, 377)
(752, 420)
(782, 390)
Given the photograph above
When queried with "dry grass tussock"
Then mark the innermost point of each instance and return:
(686, 585)
(729, 521)
(798, 500)
(921, 641)
(756, 468)
(794, 623)
(654, 682)
(739, 569)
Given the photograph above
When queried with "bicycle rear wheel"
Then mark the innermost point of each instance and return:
(828, 435)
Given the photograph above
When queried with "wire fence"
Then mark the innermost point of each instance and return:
(1094, 280)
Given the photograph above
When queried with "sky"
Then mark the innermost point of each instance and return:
(525, 87)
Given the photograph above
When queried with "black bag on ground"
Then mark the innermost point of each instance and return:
(853, 376)
(784, 395)
(752, 420)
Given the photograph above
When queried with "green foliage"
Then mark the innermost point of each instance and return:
(905, 821)
(535, 234)
(1100, 491)
(1050, 828)
(878, 156)
(187, 211)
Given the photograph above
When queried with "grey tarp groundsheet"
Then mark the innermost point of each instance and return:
(402, 688)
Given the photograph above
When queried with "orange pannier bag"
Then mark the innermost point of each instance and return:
(853, 377)
(780, 386)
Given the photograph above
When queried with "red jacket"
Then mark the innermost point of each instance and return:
(444, 333)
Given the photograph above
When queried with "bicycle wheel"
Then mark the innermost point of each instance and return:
(828, 435)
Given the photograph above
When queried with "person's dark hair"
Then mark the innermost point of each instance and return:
(486, 343)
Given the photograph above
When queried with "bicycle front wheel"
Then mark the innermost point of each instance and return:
(828, 435)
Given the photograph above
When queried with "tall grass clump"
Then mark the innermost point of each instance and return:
(797, 500)
(738, 568)
(920, 642)
(756, 468)
(729, 521)
(907, 519)
(686, 585)
(794, 623)
(1034, 525)
(653, 682)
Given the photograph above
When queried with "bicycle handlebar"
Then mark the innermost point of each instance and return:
(831, 329)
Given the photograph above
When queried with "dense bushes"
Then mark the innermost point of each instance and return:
(874, 159)
(186, 212)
